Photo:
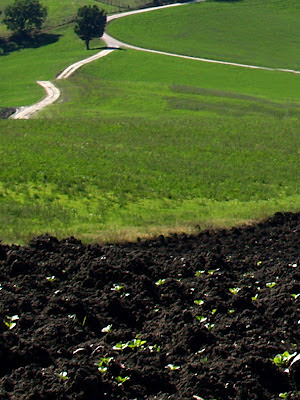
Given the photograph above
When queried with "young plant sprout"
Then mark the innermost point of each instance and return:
(283, 360)
(106, 329)
(172, 367)
(136, 343)
(120, 346)
(295, 296)
(103, 363)
(154, 348)
(254, 298)
(121, 380)
(231, 311)
(63, 375)
(270, 284)
(199, 302)
(84, 321)
(117, 288)
(10, 321)
(199, 273)
(213, 311)
(51, 279)
(283, 395)
(160, 282)
(132, 344)
(201, 318)
(234, 290)
(212, 271)
(209, 326)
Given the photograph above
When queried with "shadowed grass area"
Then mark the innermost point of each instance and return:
(256, 32)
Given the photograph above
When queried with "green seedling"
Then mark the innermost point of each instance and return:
(84, 321)
(132, 344)
(231, 311)
(103, 364)
(234, 290)
(283, 360)
(51, 279)
(106, 329)
(172, 367)
(117, 288)
(120, 346)
(295, 296)
(209, 326)
(201, 318)
(283, 395)
(63, 375)
(199, 302)
(199, 273)
(248, 275)
(10, 321)
(204, 360)
(160, 282)
(259, 263)
(136, 343)
(254, 298)
(212, 271)
(154, 348)
(121, 380)
(213, 311)
(270, 284)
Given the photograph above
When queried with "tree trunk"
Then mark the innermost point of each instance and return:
(87, 42)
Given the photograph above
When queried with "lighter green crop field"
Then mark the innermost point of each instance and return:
(142, 144)
(265, 33)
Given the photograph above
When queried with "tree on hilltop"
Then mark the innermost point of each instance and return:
(90, 23)
(25, 16)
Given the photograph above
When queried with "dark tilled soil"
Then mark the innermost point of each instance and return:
(65, 293)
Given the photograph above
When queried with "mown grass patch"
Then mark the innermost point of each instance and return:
(255, 32)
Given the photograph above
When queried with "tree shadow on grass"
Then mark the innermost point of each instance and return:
(17, 42)
(106, 48)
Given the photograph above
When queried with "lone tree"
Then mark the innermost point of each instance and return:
(25, 16)
(90, 23)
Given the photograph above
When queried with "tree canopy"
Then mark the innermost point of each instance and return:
(90, 23)
(25, 16)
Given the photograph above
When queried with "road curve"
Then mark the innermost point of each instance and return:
(53, 94)
(112, 44)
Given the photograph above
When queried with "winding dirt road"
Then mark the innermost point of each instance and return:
(53, 93)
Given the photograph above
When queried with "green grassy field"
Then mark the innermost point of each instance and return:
(256, 32)
(21, 69)
(136, 151)
(143, 144)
